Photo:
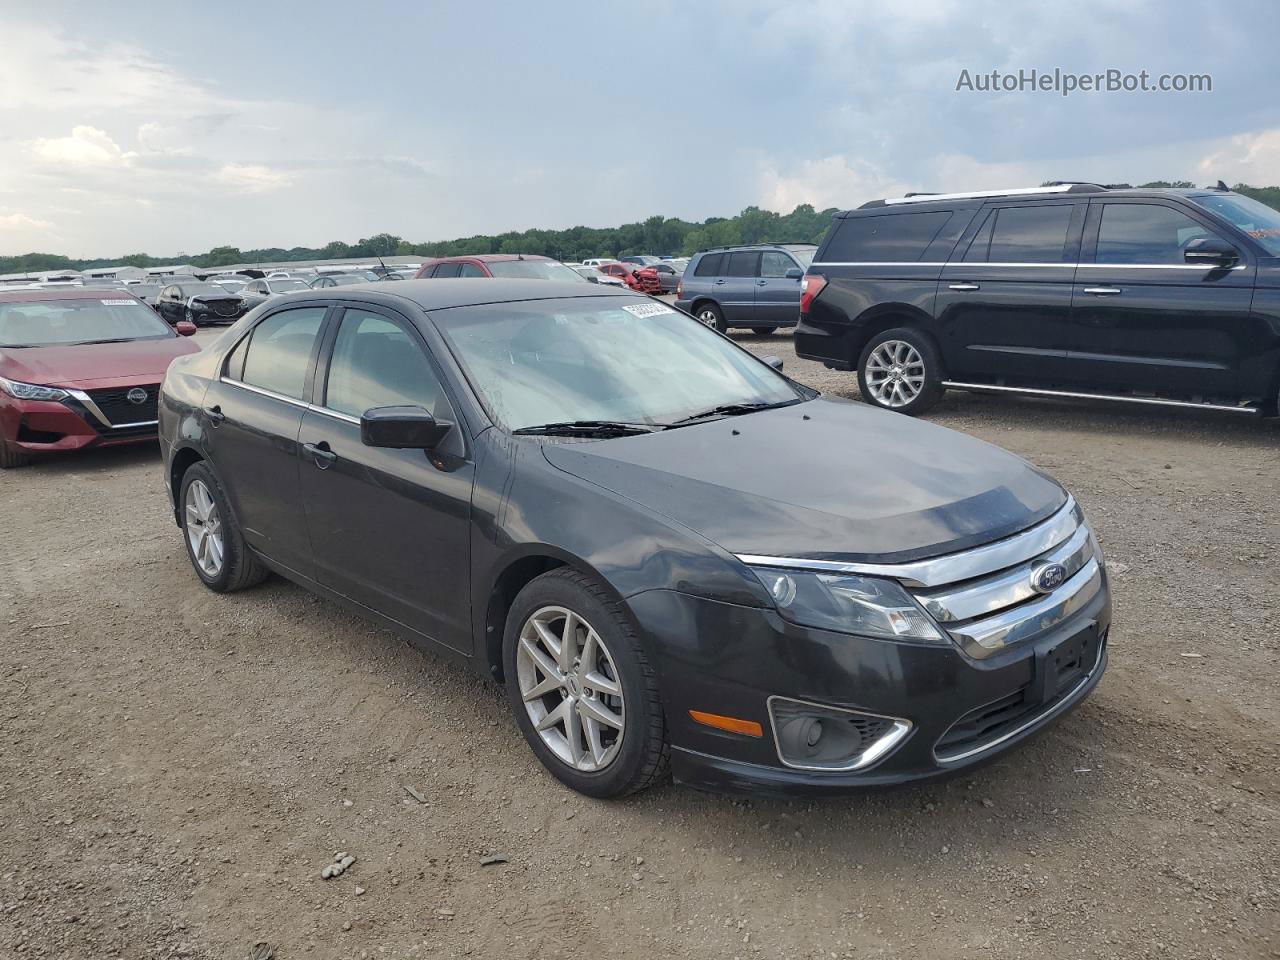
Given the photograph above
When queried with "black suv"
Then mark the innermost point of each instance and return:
(1074, 289)
(748, 285)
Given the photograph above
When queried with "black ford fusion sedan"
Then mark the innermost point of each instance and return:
(671, 555)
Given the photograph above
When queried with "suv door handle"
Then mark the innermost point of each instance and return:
(718, 282)
(761, 283)
(1103, 291)
(964, 286)
(215, 415)
(320, 454)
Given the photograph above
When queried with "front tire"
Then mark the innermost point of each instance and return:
(583, 693)
(215, 545)
(900, 370)
(710, 315)
(11, 457)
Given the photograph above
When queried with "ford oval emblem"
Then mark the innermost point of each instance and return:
(136, 395)
(1048, 577)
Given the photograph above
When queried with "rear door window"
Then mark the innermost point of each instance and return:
(445, 270)
(1029, 234)
(743, 264)
(471, 270)
(710, 266)
(890, 238)
(279, 351)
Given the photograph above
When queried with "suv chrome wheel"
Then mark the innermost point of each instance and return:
(204, 528)
(894, 373)
(709, 317)
(570, 688)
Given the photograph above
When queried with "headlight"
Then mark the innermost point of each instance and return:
(31, 391)
(867, 606)
(197, 305)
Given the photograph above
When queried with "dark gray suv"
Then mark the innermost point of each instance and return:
(750, 285)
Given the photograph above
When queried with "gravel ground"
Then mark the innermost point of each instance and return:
(177, 768)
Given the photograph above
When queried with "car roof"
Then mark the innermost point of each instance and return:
(914, 203)
(445, 293)
(62, 293)
(488, 257)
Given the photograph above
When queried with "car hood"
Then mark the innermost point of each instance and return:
(76, 364)
(829, 479)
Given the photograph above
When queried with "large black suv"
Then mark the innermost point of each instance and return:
(1074, 289)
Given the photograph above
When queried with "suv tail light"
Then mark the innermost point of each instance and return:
(810, 287)
(680, 289)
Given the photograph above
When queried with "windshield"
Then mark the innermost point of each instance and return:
(232, 285)
(593, 358)
(286, 286)
(45, 323)
(202, 290)
(532, 270)
(1253, 217)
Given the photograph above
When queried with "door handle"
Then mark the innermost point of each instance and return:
(215, 415)
(719, 282)
(1103, 291)
(964, 286)
(761, 283)
(320, 454)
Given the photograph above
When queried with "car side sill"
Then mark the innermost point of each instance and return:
(1120, 398)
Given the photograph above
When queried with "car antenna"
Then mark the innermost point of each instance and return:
(383, 266)
(1223, 187)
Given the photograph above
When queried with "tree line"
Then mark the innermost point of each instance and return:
(656, 235)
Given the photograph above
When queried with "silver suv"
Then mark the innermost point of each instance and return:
(749, 285)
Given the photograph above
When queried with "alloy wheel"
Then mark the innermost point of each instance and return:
(709, 318)
(895, 373)
(570, 688)
(204, 529)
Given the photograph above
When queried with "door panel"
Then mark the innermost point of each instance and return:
(1004, 300)
(1145, 318)
(389, 528)
(777, 298)
(735, 288)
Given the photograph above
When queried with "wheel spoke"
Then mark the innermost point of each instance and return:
(548, 638)
(594, 743)
(568, 642)
(556, 717)
(549, 684)
(541, 660)
(598, 682)
(573, 733)
(601, 713)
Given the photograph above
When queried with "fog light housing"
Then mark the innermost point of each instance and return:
(810, 736)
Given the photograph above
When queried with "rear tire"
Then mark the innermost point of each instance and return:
(567, 695)
(215, 545)
(900, 370)
(710, 315)
(11, 457)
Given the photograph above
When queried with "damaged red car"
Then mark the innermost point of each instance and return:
(80, 368)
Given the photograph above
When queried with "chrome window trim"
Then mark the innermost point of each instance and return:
(292, 401)
(1120, 398)
(953, 567)
(1063, 703)
(973, 600)
(978, 264)
(140, 423)
(881, 748)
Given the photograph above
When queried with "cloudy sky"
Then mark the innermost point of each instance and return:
(127, 129)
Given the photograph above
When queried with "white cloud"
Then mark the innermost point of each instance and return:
(837, 181)
(1248, 158)
(253, 177)
(87, 146)
(18, 222)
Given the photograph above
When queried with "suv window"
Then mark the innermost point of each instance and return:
(280, 349)
(377, 363)
(1145, 233)
(775, 264)
(895, 237)
(445, 270)
(471, 270)
(745, 263)
(709, 265)
(1029, 234)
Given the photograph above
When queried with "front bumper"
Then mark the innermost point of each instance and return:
(43, 426)
(729, 660)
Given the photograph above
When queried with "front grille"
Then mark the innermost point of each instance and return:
(225, 308)
(119, 409)
(1012, 590)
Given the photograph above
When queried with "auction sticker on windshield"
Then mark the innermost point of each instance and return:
(122, 303)
(647, 309)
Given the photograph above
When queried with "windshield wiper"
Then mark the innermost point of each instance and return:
(82, 343)
(588, 428)
(731, 410)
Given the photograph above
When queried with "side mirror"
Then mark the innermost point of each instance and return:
(775, 362)
(185, 328)
(795, 273)
(402, 428)
(1210, 252)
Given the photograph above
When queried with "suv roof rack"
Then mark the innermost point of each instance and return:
(763, 243)
(1058, 186)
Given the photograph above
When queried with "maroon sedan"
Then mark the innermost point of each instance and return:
(509, 266)
(80, 368)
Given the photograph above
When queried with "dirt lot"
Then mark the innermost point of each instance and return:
(176, 767)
